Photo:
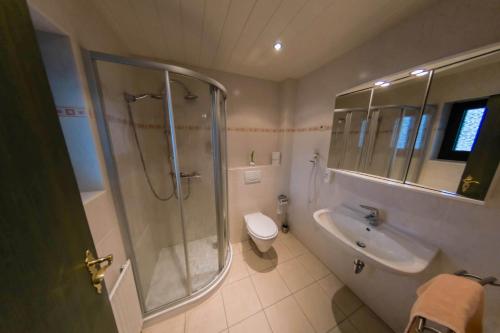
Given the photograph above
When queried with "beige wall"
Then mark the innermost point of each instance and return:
(466, 234)
(253, 117)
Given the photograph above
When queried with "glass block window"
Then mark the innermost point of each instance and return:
(462, 129)
(404, 132)
(362, 133)
(468, 129)
(421, 131)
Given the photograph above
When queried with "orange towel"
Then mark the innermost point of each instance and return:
(452, 301)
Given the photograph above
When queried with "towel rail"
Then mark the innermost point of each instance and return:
(490, 281)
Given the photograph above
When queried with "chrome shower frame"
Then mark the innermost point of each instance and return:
(219, 93)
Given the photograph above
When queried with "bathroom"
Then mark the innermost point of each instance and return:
(229, 104)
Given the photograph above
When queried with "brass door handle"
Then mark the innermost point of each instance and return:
(97, 269)
(467, 182)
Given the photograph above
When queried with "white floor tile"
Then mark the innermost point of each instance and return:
(295, 275)
(172, 325)
(322, 313)
(207, 317)
(240, 301)
(364, 320)
(287, 317)
(313, 265)
(254, 324)
(270, 287)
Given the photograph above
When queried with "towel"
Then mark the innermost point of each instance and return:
(452, 301)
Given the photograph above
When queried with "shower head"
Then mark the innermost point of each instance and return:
(188, 95)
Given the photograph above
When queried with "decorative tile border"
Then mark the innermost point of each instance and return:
(320, 128)
(71, 111)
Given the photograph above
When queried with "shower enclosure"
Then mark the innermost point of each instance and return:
(163, 131)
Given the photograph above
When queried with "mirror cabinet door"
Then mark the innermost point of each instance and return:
(349, 130)
(456, 149)
(394, 115)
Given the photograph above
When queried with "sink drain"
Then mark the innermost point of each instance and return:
(361, 244)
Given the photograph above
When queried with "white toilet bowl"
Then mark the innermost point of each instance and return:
(262, 230)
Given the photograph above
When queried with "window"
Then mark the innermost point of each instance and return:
(421, 131)
(462, 129)
(362, 133)
(468, 129)
(404, 132)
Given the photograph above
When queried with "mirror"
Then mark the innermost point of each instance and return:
(455, 130)
(450, 145)
(393, 118)
(348, 130)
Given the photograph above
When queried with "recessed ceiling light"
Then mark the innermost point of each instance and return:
(278, 46)
(379, 83)
(422, 73)
(385, 84)
(417, 71)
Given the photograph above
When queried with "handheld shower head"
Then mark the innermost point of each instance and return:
(188, 95)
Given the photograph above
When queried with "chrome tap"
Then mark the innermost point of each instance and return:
(373, 216)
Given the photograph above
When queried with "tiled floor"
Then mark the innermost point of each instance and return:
(286, 290)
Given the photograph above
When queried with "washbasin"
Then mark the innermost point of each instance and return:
(386, 247)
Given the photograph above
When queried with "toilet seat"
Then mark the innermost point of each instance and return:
(261, 226)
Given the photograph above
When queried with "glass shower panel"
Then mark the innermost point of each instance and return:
(137, 129)
(192, 102)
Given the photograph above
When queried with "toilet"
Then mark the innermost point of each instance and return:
(262, 230)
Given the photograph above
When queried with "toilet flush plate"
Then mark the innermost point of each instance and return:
(252, 176)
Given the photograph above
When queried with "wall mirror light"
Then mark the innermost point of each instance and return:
(438, 128)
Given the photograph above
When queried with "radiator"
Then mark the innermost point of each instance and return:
(125, 302)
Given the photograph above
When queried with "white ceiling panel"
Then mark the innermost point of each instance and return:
(215, 16)
(238, 35)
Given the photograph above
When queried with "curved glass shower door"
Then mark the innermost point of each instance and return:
(162, 133)
(193, 118)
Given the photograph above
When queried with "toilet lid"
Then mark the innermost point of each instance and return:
(261, 225)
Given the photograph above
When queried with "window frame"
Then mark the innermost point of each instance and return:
(453, 126)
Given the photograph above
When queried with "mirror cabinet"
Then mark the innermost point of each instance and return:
(437, 127)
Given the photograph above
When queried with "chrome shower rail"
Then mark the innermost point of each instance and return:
(95, 55)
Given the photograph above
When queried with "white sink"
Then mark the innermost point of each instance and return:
(382, 245)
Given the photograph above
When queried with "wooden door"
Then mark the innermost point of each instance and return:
(485, 156)
(44, 284)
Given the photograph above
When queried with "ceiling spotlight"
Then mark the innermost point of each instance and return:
(278, 46)
(385, 84)
(422, 73)
(379, 83)
(417, 71)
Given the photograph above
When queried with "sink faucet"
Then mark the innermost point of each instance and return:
(373, 216)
